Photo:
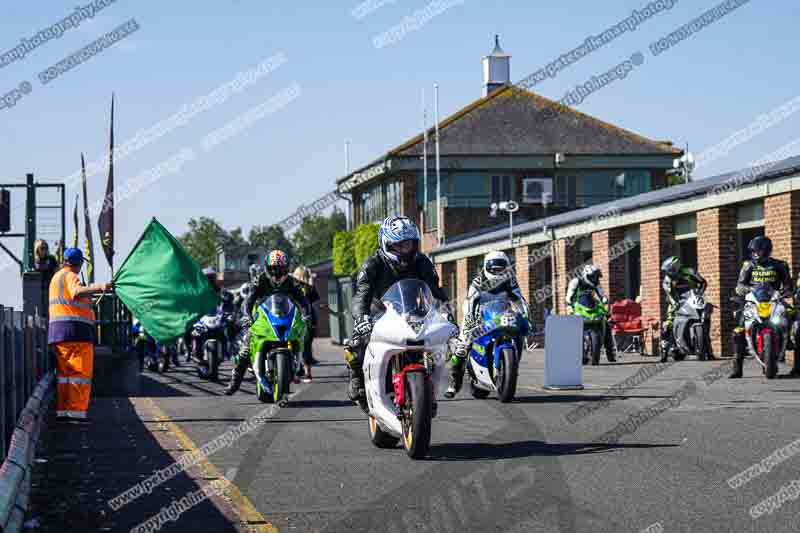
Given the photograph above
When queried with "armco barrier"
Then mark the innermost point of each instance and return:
(16, 470)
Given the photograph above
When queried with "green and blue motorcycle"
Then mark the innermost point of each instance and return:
(276, 340)
(595, 316)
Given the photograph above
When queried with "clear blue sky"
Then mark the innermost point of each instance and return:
(701, 91)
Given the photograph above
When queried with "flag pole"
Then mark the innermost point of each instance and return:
(439, 222)
(424, 162)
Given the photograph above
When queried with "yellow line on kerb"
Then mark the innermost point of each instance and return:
(242, 505)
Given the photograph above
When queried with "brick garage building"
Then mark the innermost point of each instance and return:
(707, 223)
(507, 145)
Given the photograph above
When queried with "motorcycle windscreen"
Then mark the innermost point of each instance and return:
(410, 298)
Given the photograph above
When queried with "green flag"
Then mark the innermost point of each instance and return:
(163, 286)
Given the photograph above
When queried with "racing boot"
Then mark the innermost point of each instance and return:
(738, 363)
(795, 372)
(237, 374)
(667, 344)
(456, 373)
(355, 389)
(352, 356)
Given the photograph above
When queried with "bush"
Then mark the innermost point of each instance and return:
(344, 259)
(366, 242)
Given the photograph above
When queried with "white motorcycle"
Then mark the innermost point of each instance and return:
(766, 327)
(404, 367)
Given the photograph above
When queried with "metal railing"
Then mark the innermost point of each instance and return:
(24, 360)
(113, 323)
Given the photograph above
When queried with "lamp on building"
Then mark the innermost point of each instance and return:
(558, 159)
(509, 207)
(684, 166)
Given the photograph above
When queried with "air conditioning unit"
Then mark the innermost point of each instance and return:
(537, 190)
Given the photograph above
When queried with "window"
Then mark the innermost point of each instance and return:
(583, 246)
(501, 189)
(592, 187)
(380, 201)
(684, 229)
(749, 225)
(633, 269)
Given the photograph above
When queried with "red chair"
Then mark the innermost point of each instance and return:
(626, 327)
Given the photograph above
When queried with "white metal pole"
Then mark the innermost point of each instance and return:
(511, 226)
(424, 162)
(439, 222)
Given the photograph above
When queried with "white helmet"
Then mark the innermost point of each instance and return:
(591, 275)
(496, 265)
(399, 240)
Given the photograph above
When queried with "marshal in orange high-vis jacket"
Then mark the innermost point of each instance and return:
(71, 332)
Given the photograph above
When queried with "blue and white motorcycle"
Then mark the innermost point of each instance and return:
(497, 346)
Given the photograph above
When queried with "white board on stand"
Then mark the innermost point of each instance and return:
(563, 353)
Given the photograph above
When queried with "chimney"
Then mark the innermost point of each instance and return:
(496, 69)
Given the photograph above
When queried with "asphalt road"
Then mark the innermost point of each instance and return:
(517, 467)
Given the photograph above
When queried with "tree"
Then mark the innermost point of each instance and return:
(314, 239)
(205, 235)
(271, 237)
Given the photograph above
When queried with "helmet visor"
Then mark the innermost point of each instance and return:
(496, 266)
(277, 272)
(404, 249)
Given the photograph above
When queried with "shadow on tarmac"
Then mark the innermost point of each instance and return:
(517, 450)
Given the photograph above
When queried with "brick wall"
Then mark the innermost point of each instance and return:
(716, 257)
(613, 280)
(523, 270)
(409, 191)
(564, 260)
(656, 244)
(782, 226)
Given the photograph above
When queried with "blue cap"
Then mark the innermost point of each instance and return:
(73, 256)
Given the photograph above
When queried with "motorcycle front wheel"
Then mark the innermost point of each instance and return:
(212, 359)
(506, 378)
(700, 344)
(770, 355)
(594, 345)
(283, 376)
(417, 415)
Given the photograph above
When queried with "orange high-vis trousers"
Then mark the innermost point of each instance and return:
(75, 366)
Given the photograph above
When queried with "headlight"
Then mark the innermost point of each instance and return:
(764, 309)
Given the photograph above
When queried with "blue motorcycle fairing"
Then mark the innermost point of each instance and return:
(280, 325)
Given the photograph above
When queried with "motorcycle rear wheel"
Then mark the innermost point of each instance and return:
(417, 415)
(379, 437)
(477, 392)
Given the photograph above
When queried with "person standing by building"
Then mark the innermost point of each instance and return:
(303, 276)
(71, 332)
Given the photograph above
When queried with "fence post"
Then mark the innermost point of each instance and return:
(3, 388)
(12, 350)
